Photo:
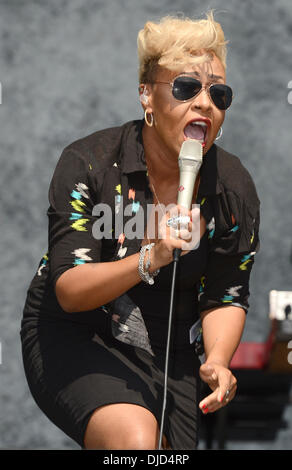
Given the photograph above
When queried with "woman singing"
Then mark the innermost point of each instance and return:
(95, 320)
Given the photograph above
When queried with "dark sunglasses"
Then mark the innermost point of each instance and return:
(185, 88)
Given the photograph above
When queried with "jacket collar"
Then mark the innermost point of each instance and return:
(209, 183)
(132, 158)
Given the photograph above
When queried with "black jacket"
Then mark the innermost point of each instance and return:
(108, 167)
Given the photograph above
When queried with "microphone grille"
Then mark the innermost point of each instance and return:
(191, 148)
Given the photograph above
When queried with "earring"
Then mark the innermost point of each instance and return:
(219, 135)
(150, 124)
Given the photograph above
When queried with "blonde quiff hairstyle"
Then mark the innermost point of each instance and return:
(174, 42)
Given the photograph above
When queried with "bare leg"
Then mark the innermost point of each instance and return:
(122, 426)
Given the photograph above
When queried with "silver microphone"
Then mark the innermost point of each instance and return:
(190, 160)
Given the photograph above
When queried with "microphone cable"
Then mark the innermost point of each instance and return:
(176, 257)
(189, 161)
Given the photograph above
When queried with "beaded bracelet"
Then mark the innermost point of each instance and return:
(144, 273)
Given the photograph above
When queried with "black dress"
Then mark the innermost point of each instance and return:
(77, 362)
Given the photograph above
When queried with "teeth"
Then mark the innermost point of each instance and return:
(199, 123)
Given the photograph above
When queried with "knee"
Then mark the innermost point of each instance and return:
(121, 426)
(142, 439)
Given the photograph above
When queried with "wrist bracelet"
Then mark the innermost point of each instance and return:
(144, 272)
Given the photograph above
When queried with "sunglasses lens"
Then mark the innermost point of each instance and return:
(185, 88)
(221, 96)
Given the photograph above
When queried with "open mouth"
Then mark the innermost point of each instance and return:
(196, 130)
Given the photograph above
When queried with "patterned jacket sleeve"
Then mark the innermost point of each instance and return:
(231, 255)
(72, 197)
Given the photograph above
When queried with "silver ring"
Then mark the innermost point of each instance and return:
(227, 394)
(170, 222)
(175, 221)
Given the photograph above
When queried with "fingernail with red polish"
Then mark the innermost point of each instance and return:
(206, 410)
(204, 406)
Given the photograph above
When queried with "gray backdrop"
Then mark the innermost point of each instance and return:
(69, 68)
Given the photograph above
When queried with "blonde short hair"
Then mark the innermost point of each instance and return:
(174, 42)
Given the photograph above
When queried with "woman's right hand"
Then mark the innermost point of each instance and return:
(169, 237)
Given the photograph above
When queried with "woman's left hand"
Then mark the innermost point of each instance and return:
(222, 383)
